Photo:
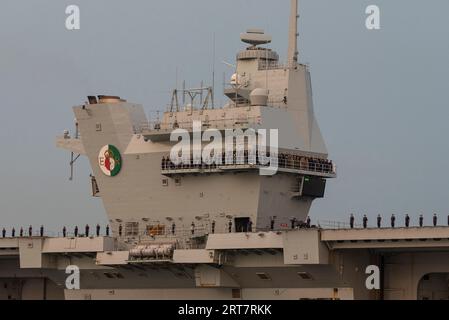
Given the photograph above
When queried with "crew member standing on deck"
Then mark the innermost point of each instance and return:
(213, 226)
(272, 223)
(365, 221)
(407, 221)
(421, 220)
(435, 219)
(379, 221)
(64, 232)
(4, 233)
(30, 231)
(351, 221)
(393, 220)
(293, 222)
(98, 229)
(13, 232)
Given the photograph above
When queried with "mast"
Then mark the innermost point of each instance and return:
(293, 33)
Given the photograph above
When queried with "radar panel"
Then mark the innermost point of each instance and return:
(313, 187)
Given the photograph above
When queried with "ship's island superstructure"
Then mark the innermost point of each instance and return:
(225, 230)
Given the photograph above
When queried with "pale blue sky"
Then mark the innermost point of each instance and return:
(381, 97)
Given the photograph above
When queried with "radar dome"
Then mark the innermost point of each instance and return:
(259, 97)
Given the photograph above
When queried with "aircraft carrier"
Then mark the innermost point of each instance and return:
(236, 228)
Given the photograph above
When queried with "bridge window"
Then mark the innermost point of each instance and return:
(156, 230)
(284, 161)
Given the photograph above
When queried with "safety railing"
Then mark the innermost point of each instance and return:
(181, 237)
(223, 123)
(328, 224)
(283, 161)
(274, 65)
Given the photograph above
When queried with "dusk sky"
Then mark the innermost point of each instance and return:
(381, 97)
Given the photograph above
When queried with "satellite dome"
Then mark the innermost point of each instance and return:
(259, 97)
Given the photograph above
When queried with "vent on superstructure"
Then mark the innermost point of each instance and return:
(305, 275)
(236, 293)
(263, 276)
(113, 275)
(132, 229)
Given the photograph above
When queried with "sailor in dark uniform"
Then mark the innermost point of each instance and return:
(351, 221)
(407, 220)
(379, 221)
(421, 220)
(87, 228)
(250, 226)
(293, 222)
(30, 231)
(98, 229)
(107, 231)
(41, 231)
(21, 232)
(435, 219)
(365, 221)
(4, 233)
(13, 232)
(76, 231)
(64, 232)
(393, 220)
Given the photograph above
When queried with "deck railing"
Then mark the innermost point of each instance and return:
(282, 161)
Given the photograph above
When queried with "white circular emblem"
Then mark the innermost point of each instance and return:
(110, 160)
